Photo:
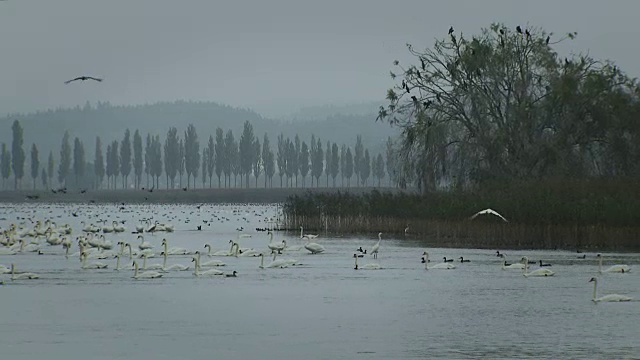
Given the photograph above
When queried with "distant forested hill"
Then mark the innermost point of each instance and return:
(46, 128)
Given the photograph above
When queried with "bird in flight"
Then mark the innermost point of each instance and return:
(83, 78)
(488, 211)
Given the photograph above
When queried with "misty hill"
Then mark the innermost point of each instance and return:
(315, 113)
(46, 128)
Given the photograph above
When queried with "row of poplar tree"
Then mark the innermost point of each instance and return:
(232, 162)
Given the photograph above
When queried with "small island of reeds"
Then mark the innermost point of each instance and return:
(579, 215)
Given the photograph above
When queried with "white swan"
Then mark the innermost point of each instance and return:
(5, 251)
(118, 227)
(107, 229)
(132, 252)
(22, 276)
(239, 250)
(139, 229)
(281, 264)
(289, 262)
(209, 263)
(443, 266)
(174, 267)
(174, 250)
(210, 272)
(29, 247)
(277, 247)
(376, 247)
(117, 268)
(146, 274)
(220, 252)
(369, 266)
(612, 269)
(144, 245)
(541, 272)
(151, 266)
(314, 248)
(516, 266)
(249, 253)
(4, 269)
(95, 265)
(606, 298)
(306, 236)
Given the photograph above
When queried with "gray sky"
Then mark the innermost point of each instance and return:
(271, 55)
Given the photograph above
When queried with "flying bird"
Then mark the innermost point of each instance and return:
(83, 78)
(488, 211)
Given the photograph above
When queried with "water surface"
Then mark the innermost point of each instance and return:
(323, 309)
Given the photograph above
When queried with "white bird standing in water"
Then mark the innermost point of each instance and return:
(376, 247)
(488, 211)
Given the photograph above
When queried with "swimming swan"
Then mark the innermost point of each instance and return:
(174, 267)
(220, 252)
(149, 267)
(22, 276)
(443, 266)
(537, 272)
(208, 263)
(146, 274)
(606, 298)
(174, 250)
(211, 272)
(144, 245)
(516, 266)
(369, 266)
(281, 264)
(612, 269)
(95, 265)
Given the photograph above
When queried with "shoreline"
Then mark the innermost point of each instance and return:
(174, 196)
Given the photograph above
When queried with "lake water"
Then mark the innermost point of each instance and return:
(323, 309)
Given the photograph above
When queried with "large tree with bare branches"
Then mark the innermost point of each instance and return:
(504, 104)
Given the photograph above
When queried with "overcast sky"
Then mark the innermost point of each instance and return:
(271, 55)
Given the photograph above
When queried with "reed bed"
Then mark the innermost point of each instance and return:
(570, 214)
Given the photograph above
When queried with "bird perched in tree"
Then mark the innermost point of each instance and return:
(83, 78)
(548, 38)
(451, 30)
(519, 29)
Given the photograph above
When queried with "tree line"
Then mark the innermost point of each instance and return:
(246, 161)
